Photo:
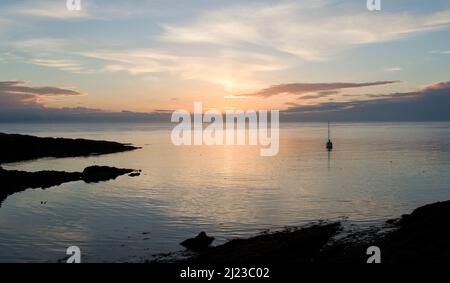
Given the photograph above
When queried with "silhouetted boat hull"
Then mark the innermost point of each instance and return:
(329, 145)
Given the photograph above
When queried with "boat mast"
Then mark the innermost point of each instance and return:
(328, 129)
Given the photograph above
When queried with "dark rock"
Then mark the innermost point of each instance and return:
(134, 174)
(289, 246)
(14, 181)
(94, 174)
(201, 242)
(391, 221)
(422, 236)
(15, 148)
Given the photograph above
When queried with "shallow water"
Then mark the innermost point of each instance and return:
(376, 171)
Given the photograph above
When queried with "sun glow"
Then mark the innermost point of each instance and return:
(229, 85)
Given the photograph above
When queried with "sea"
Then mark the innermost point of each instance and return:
(376, 171)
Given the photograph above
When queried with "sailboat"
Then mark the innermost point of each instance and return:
(329, 143)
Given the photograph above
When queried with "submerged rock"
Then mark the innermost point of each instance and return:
(201, 242)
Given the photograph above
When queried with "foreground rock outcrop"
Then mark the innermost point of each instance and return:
(420, 237)
(289, 246)
(199, 243)
(14, 147)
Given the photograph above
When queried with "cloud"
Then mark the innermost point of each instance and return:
(15, 94)
(292, 104)
(440, 52)
(19, 102)
(323, 89)
(233, 43)
(43, 45)
(134, 61)
(218, 67)
(235, 46)
(62, 64)
(57, 10)
(320, 94)
(308, 31)
(393, 69)
(54, 53)
(427, 103)
(49, 9)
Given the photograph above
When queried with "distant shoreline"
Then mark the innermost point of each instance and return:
(168, 122)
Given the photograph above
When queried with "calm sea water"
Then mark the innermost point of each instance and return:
(376, 171)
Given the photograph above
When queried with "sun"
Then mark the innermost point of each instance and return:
(228, 85)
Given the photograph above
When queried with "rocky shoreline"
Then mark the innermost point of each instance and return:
(420, 237)
(14, 181)
(15, 147)
(19, 148)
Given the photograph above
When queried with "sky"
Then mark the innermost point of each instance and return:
(311, 59)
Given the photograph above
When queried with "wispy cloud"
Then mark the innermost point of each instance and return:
(307, 31)
(49, 9)
(218, 66)
(445, 52)
(63, 64)
(224, 65)
(97, 10)
(393, 69)
(55, 53)
(241, 43)
(134, 61)
(41, 45)
(310, 32)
